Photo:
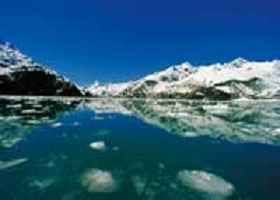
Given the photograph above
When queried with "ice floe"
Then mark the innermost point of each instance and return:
(12, 163)
(99, 181)
(55, 125)
(98, 145)
(207, 183)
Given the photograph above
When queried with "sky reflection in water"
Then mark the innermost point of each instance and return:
(142, 149)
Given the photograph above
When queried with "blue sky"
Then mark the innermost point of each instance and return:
(118, 40)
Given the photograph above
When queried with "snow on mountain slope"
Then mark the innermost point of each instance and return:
(170, 75)
(20, 75)
(97, 90)
(10, 56)
(237, 70)
(236, 79)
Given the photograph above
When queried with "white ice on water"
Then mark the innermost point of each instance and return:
(214, 186)
(99, 181)
(12, 163)
(98, 145)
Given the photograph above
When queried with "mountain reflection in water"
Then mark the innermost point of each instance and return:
(19, 115)
(235, 121)
(71, 149)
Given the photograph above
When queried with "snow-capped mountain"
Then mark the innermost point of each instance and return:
(115, 90)
(20, 75)
(236, 79)
(9, 56)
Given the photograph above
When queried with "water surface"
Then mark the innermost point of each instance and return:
(70, 149)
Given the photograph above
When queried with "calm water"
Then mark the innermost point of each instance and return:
(68, 149)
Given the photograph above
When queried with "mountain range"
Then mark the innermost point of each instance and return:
(21, 75)
(237, 79)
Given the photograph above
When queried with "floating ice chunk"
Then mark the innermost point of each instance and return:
(190, 134)
(13, 118)
(28, 111)
(98, 118)
(99, 145)
(43, 184)
(207, 183)
(55, 125)
(12, 163)
(33, 121)
(37, 106)
(276, 132)
(14, 106)
(100, 181)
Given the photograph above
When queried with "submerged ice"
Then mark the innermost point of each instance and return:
(139, 161)
(206, 182)
(101, 181)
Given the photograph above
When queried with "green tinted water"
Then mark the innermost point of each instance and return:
(122, 149)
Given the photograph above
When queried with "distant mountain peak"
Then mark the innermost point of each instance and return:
(11, 56)
(7, 44)
(239, 61)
